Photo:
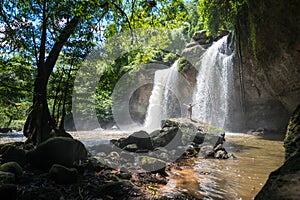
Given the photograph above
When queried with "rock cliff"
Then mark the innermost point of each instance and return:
(268, 62)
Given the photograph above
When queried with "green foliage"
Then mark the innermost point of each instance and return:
(220, 14)
(16, 78)
(183, 65)
(22, 46)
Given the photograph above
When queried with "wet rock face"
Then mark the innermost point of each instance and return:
(284, 182)
(202, 37)
(269, 61)
(292, 139)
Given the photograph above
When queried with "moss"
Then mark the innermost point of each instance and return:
(152, 164)
(292, 138)
(57, 150)
(63, 175)
(183, 65)
(12, 167)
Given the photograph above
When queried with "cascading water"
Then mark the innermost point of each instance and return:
(214, 84)
(160, 101)
(154, 114)
(211, 95)
(169, 106)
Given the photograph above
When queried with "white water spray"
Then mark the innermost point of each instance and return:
(214, 84)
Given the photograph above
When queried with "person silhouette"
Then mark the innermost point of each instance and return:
(190, 109)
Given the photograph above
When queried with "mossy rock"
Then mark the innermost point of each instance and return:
(7, 177)
(12, 153)
(292, 138)
(58, 150)
(152, 164)
(12, 167)
(284, 182)
(166, 136)
(141, 139)
(8, 191)
(169, 123)
(183, 65)
(63, 175)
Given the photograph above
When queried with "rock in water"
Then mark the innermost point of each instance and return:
(284, 182)
(140, 138)
(63, 175)
(292, 138)
(151, 164)
(163, 137)
(58, 150)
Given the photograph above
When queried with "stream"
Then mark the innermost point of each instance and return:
(239, 178)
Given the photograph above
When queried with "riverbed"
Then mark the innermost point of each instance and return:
(239, 178)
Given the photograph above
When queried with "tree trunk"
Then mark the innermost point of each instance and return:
(38, 124)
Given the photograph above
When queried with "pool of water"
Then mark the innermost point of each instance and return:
(240, 178)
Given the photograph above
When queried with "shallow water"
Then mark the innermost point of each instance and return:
(91, 138)
(88, 138)
(12, 137)
(239, 178)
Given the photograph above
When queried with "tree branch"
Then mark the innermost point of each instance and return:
(123, 13)
(43, 39)
(62, 39)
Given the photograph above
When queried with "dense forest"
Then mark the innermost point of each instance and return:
(44, 44)
(60, 57)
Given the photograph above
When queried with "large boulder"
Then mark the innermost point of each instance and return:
(12, 167)
(63, 175)
(284, 182)
(141, 139)
(221, 34)
(152, 164)
(202, 37)
(165, 136)
(10, 153)
(7, 178)
(183, 131)
(292, 138)
(58, 150)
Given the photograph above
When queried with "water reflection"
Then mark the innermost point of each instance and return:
(239, 178)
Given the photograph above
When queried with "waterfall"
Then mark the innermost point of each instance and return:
(154, 111)
(214, 84)
(211, 95)
(160, 105)
(169, 104)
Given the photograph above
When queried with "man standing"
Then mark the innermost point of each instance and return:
(190, 110)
